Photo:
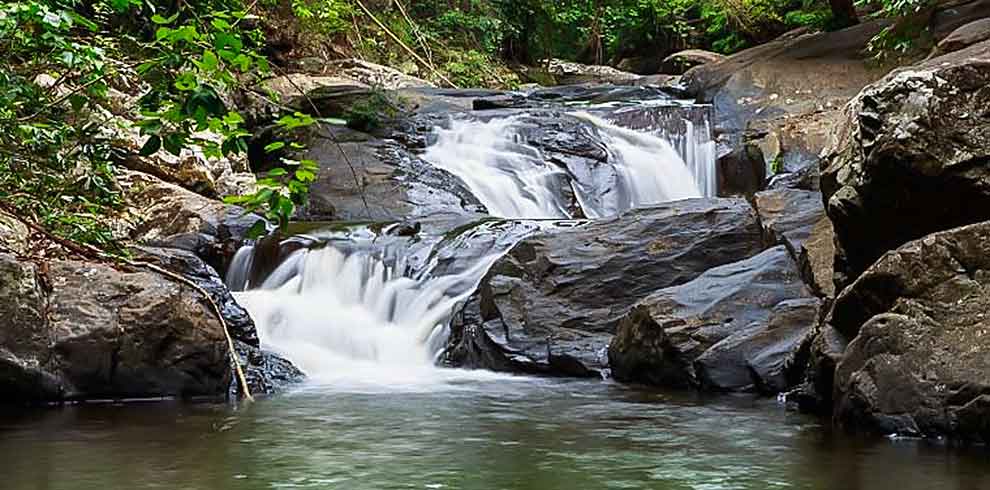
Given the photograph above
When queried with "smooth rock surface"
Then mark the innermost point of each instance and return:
(552, 304)
(735, 327)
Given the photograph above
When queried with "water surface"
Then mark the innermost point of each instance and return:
(466, 431)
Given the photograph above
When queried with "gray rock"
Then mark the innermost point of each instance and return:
(552, 303)
(911, 158)
(682, 61)
(732, 328)
(788, 216)
(918, 349)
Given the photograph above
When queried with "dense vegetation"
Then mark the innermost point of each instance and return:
(68, 66)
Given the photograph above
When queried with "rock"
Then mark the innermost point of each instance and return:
(816, 258)
(14, 235)
(804, 75)
(365, 178)
(911, 158)
(741, 172)
(104, 333)
(553, 302)
(24, 340)
(734, 327)
(375, 75)
(682, 61)
(570, 73)
(166, 215)
(788, 216)
(964, 37)
(918, 346)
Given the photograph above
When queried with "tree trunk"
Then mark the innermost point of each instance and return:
(843, 12)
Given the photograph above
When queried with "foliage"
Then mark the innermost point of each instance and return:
(898, 38)
(60, 142)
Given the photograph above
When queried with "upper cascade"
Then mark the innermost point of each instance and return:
(513, 178)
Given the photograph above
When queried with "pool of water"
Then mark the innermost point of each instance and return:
(478, 431)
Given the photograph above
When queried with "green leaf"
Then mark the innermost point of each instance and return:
(278, 145)
(257, 230)
(160, 20)
(210, 61)
(277, 172)
(151, 146)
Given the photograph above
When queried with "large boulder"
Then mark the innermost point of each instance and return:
(784, 96)
(735, 327)
(553, 302)
(911, 158)
(909, 339)
(105, 333)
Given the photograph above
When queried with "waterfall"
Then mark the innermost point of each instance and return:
(510, 178)
(370, 310)
(686, 127)
(366, 305)
(649, 170)
(514, 179)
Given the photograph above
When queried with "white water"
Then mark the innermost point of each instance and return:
(352, 317)
(510, 178)
(347, 318)
(649, 169)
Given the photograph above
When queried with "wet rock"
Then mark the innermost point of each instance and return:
(917, 353)
(365, 178)
(552, 303)
(911, 158)
(682, 61)
(266, 373)
(735, 327)
(788, 216)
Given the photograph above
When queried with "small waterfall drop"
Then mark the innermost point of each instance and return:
(649, 170)
(366, 313)
(510, 178)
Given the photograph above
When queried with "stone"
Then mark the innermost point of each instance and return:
(910, 159)
(964, 37)
(816, 258)
(742, 172)
(571, 73)
(735, 327)
(682, 61)
(916, 340)
(166, 215)
(552, 304)
(788, 216)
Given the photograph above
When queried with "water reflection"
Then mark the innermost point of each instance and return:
(485, 434)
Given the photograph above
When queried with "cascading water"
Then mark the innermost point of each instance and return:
(511, 179)
(649, 170)
(367, 314)
(366, 309)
